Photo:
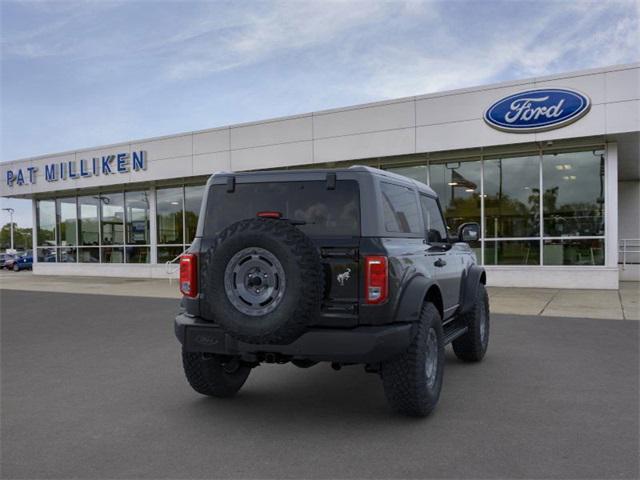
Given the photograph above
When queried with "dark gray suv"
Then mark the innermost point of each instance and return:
(348, 266)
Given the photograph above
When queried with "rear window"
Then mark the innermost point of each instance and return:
(400, 209)
(324, 212)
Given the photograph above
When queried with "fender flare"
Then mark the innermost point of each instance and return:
(412, 298)
(474, 277)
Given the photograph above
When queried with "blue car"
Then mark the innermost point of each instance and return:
(23, 262)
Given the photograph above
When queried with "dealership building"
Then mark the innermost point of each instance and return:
(548, 166)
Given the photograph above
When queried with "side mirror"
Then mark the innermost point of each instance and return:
(468, 232)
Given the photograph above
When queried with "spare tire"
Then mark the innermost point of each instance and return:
(262, 281)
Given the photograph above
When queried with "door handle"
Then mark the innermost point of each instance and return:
(439, 263)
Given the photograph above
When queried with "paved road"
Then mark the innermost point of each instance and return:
(92, 388)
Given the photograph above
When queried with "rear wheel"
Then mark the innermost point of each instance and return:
(472, 346)
(16, 268)
(214, 375)
(413, 380)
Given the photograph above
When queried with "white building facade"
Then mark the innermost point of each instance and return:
(550, 168)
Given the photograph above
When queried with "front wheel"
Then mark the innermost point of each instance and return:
(472, 346)
(412, 381)
(214, 375)
(16, 268)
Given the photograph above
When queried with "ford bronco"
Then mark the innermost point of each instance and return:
(347, 266)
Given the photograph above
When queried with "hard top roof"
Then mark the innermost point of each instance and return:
(363, 169)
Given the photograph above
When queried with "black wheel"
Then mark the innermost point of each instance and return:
(16, 268)
(263, 281)
(214, 375)
(413, 380)
(472, 346)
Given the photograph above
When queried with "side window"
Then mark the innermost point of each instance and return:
(401, 214)
(436, 229)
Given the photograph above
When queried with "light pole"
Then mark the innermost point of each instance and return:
(11, 212)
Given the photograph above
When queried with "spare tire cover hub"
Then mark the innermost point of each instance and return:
(254, 281)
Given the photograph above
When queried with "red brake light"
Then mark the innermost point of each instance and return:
(376, 279)
(188, 275)
(269, 214)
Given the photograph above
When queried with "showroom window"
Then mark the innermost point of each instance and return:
(458, 187)
(563, 226)
(88, 229)
(67, 223)
(178, 209)
(137, 227)
(112, 227)
(106, 228)
(512, 210)
(573, 208)
(46, 230)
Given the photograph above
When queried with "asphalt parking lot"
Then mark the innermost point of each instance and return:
(92, 387)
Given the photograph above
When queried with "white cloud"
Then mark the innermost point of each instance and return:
(287, 26)
(526, 48)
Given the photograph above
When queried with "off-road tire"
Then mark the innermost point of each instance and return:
(300, 304)
(472, 346)
(404, 377)
(214, 375)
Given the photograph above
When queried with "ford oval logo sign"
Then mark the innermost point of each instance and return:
(537, 110)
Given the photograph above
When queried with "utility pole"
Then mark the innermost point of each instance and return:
(11, 212)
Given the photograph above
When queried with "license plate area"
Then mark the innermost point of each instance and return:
(203, 339)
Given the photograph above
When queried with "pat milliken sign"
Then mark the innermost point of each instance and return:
(537, 110)
(117, 163)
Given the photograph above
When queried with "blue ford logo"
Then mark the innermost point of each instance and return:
(537, 110)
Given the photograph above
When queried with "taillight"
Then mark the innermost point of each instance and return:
(188, 275)
(269, 214)
(376, 279)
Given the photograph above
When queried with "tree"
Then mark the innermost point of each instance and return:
(21, 237)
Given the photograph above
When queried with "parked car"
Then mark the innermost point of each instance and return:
(7, 262)
(348, 266)
(23, 262)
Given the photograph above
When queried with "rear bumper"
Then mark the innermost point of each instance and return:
(356, 345)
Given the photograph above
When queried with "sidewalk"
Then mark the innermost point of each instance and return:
(607, 304)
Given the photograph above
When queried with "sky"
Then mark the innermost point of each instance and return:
(87, 73)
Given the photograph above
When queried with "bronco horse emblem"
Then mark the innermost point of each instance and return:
(344, 276)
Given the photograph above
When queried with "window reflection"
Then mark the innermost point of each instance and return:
(574, 252)
(46, 218)
(512, 252)
(169, 207)
(88, 220)
(137, 254)
(512, 197)
(67, 221)
(89, 255)
(573, 198)
(167, 254)
(137, 218)
(46, 255)
(458, 187)
(112, 218)
(112, 255)
(417, 172)
(67, 255)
